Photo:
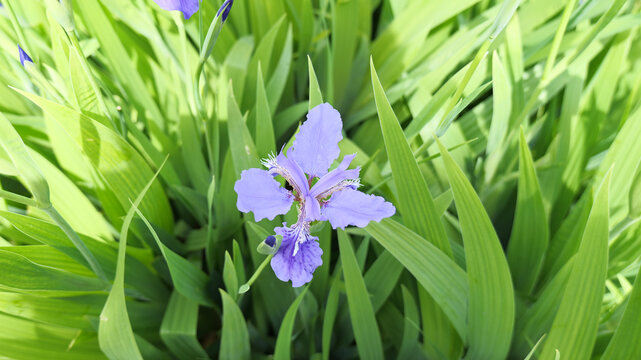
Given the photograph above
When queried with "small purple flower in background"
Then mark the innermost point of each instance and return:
(187, 7)
(23, 56)
(319, 194)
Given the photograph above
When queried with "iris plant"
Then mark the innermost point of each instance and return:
(319, 195)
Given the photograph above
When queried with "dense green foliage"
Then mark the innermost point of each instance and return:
(506, 133)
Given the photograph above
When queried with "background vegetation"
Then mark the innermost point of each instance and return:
(524, 234)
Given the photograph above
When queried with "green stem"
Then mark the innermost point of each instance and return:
(245, 287)
(601, 23)
(18, 198)
(16, 25)
(480, 54)
(549, 63)
(556, 43)
(75, 239)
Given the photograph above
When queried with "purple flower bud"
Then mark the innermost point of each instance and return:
(270, 241)
(23, 56)
(224, 9)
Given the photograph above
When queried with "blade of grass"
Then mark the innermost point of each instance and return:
(488, 273)
(115, 334)
(265, 140)
(315, 95)
(417, 208)
(188, 280)
(529, 238)
(445, 281)
(366, 333)
(234, 343)
(625, 343)
(283, 347)
(178, 329)
(575, 326)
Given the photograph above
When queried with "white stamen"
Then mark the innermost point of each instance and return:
(351, 183)
(301, 229)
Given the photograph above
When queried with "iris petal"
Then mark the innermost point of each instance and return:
(298, 268)
(259, 193)
(187, 7)
(312, 209)
(352, 207)
(290, 171)
(326, 184)
(316, 144)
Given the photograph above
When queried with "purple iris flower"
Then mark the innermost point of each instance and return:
(319, 194)
(23, 56)
(188, 7)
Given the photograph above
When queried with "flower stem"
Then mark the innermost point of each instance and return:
(17, 28)
(18, 198)
(245, 287)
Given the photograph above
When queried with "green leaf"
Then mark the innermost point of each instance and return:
(72, 204)
(49, 257)
(188, 280)
(315, 95)
(529, 239)
(82, 89)
(366, 333)
(329, 319)
(445, 281)
(382, 277)
(192, 155)
(575, 326)
(115, 335)
(414, 198)
(409, 346)
(265, 140)
(625, 343)
(229, 277)
(234, 342)
(101, 25)
(23, 162)
(625, 156)
(635, 195)
(533, 351)
(178, 329)
(278, 80)
(137, 274)
(122, 168)
(18, 337)
(23, 275)
(262, 55)
(417, 207)
(63, 312)
(488, 273)
(241, 145)
(508, 8)
(502, 104)
(284, 340)
(345, 37)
